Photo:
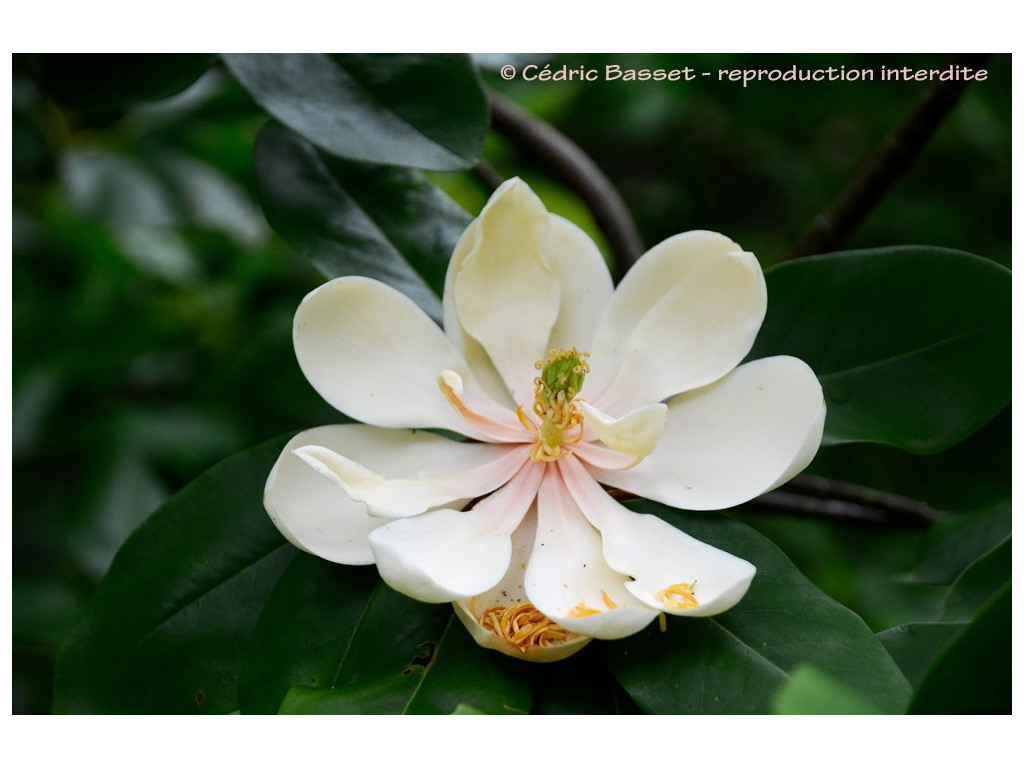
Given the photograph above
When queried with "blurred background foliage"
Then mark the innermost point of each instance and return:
(152, 304)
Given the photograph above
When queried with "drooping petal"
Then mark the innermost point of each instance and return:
(319, 517)
(671, 570)
(508, 596)
(683, 316)
(568, 578)
(505, 293)
(374, 355)
(448, 555)
(484, 468)
(728, 442)
(482, 415)
(637, 433)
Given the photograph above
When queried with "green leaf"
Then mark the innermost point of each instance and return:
(460, 673)
(914, 646)
(956, 541)
(390, 224)
(327, 625)
(166, 628)
(811, 692)
(737, 661)
(424, 111)
(911, 344)
(976, 585)
(973, 673)
(100, 82)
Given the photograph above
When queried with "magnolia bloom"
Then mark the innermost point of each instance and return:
(564, 386)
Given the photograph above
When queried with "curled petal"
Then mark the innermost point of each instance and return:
(683, 316)
(316, 515)
(483, 468)
(505, 294)
(546, 641)
(483, 415)
(671, 570)
(637, 433)
(728, 442)
(374, 355)
(448, 555)
(568, 578)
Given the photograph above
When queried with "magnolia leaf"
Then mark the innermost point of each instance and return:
(978, 583)
(419, 110)
(914, 646)
(737, 662)
(327, 625)
(349, 218)
(911, 344)
(165, 630)
(973, 673)
(459, 673)
(957, 540)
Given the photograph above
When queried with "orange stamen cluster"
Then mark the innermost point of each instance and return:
(678, 597)
(524, 626)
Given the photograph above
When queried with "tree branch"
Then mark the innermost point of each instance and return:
(831, 228)
(573, 167)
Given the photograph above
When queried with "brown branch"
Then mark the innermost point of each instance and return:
(832, 227)
(574, 168)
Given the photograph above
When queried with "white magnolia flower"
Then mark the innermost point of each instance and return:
(563, 386)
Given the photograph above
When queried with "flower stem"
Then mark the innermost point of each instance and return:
(899, 149)
(573, 167)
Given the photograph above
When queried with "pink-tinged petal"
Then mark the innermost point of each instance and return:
(598, 456)
(505, 293)
(568, 578)
(483, 468)
(510, 595)
(637, 433)
(685, 315)
(318, 516)
(448, 555)
(671, 570)
(731, 441)
(482, 415)
(374, 355)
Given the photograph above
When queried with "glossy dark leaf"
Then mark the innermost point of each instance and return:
(978, 583)
(956, 541)
(911, 344)
(973, 673)
(95, 82)
(165, 630)
(914, 646)
(424, 111)
(329, 625)
(458, 674)
(390, 224)
(737, 661)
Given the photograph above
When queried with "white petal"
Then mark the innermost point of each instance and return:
(510, 592)
(658, 555)
(374, 355)
(448, 555)
(684, 315)
(484, 468)
(586, 284)
(728, 442)
(637, 433)
(316, 515)
(567, 577)
(505, 293)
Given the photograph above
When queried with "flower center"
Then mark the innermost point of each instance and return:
(555, 391)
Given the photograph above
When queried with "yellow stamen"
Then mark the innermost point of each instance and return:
(524, 626)
(582, 610)
(607, 600)
(555, 391)
(678, 596)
